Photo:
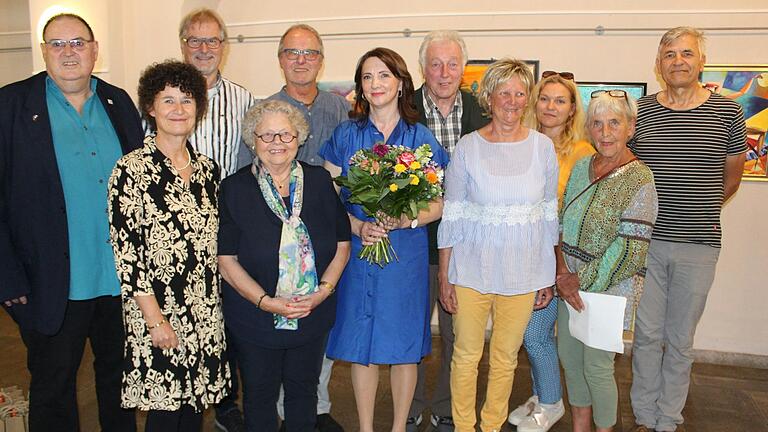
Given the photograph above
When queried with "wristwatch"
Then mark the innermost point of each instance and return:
(415, 223)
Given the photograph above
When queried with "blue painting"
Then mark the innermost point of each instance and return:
(634, 90)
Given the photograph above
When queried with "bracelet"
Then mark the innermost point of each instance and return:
(331, 287)
(258, 302)
(154, 326)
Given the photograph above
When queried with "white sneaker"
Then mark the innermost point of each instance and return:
(543, 417)
(523, 411)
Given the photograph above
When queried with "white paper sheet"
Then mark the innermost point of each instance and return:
(601, 324)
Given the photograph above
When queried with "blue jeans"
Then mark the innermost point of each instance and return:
(539, 342)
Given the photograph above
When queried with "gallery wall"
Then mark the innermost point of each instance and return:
(602, 40)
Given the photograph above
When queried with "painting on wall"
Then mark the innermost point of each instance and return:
(345, 89)
(634, 90)
(747, 85)
(473, 73)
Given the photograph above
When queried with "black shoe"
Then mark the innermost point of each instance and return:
(412, 424)
(442, 424)
(326, 423)
(230, 421)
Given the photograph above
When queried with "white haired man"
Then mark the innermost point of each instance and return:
(449, 113)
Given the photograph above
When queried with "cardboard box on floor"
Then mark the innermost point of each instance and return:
(14, 410)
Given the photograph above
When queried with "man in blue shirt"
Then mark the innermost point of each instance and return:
(63, 130)
(301, 56)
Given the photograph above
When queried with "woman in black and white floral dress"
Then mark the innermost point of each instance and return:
(163, 226)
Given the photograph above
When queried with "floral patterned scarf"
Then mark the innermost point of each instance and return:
(298, 275)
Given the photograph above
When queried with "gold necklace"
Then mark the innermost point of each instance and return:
(189, 161)
(280, 184)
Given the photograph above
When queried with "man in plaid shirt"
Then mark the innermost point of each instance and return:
(449, 113)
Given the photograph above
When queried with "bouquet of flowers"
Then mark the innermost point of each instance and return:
(391, 181)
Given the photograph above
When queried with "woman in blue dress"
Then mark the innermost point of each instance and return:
(383, 313)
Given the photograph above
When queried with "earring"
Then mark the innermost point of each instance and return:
(399, 93)
(362, 96)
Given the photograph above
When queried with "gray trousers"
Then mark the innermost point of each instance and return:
(676, 287)
(440, 405)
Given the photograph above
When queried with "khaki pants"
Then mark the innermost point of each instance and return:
(510, 316)
(589, 373)
(676, 287)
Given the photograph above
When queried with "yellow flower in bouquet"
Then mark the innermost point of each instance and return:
(388, 180)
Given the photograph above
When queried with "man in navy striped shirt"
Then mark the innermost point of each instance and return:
(203, 37)
(694, 142)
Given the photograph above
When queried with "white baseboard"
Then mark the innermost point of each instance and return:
(700, 356)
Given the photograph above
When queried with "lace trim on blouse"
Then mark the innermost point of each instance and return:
(500, 214)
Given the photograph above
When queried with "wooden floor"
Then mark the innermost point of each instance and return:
(721, 398)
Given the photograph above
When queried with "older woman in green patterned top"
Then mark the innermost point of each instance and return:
(608, 213)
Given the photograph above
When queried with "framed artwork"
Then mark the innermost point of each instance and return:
(636, 90)
(345, 89)
(747, 85)
(473, 73)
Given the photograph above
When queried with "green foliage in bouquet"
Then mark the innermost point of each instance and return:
(393, 181)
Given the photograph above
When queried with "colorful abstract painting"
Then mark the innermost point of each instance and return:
(345, 89)
(747, 85)
(474, 70)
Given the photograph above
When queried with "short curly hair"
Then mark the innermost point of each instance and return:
(171, 73)
(255, 115)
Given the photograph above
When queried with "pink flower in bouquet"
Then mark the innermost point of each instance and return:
(406, 158)
(380, 149)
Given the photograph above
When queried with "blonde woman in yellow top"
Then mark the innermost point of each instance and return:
(556, 111)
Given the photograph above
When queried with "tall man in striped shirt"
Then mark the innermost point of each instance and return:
(203, 37)
(694, 142)
(301, 54)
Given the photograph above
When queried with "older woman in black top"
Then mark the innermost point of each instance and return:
(283, 244)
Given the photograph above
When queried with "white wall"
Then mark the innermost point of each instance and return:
(15, 51)
(142, 31)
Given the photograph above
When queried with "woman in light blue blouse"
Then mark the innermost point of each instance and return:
(382, 315)
(496, 241)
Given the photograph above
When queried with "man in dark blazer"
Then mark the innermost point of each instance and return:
(450, 114)
(61, 132)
